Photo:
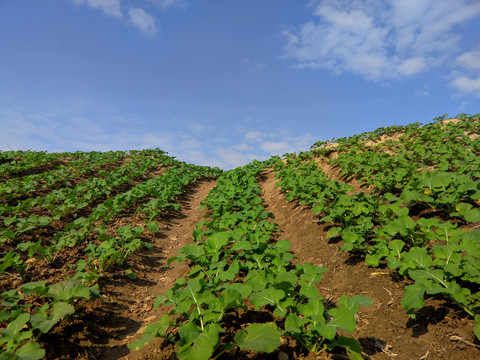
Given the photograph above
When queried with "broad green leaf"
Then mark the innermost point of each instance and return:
(314, 310)
(312, 273)
(406, 221)
(448, 253)
(282, 307)
(151, 331)
(38, 287)
(416, 258)
(16, 325)
(372, 260)
(230, 298)
(283, 244)
(59, 311)
(241, 245)
(244, 289)
(285, 280)
(472, 215)
(30, 351)
(201, 344)
(217, 240)
(433, 281)
(413, 298)
(68, 290)
(258, 281)
(308, 290)
(352, 346)
(153, 226)
(294, 323)
(334, 232)
(259, 337)
(192, 251)
(327, 330)
(353, 303)
(343, 318)
(232, 271)
(396, 246)
(270, 296)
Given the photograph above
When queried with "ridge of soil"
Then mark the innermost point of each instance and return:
(384, 329)
(109, 325)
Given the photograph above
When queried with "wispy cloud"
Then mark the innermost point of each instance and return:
(70, 127)
(466, 84)
(255, 64)
(422, 93)
(137, 17)
(379, 40)
(109, 7)
(467, 80)
(166, 4)
(142, 20)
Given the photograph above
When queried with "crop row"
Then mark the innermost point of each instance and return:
(390, 164)
(16, 162)
(434, 251)
(34, 308)
(238, 268)
(59, 177)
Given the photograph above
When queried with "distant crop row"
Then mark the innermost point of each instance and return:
(33, 308)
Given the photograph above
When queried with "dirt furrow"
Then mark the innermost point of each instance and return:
(119, 320)
(384, 324)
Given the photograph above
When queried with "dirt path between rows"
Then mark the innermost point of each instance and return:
(384, 324)
(131, 310)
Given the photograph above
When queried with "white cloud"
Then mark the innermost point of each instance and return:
(136, 16)
(470, 60)
(165, 4)
(275, 147)
(109, 7)
(242, 147)
(253, 135)
(379, 40)
(73, 126)
(255, 64)
(197, 127)
(422, 93)
(467, 85)
(142, 20)
(468, 79)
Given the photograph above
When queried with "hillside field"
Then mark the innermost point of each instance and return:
(364, 247)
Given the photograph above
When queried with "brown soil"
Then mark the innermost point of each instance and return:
(107, 326)
(385, 324)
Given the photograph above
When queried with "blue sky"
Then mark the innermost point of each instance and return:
(221, 82)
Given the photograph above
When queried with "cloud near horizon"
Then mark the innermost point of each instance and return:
(468, 79)
(54, 129)
(381, 41)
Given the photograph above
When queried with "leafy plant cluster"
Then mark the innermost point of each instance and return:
(82, 163)
(389, 164)
(67, 200)
(33, 309)
(237, 267)
(27, 321)
(15, 162)
(437, 255)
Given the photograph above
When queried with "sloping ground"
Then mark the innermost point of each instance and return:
(384, 329)
(102, 328)
(108, 326)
